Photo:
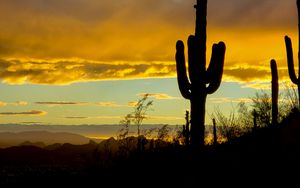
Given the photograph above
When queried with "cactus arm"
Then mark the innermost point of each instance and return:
(212, 64)
(274, 92)
(182, 79)
(216, 71)
(290, 59)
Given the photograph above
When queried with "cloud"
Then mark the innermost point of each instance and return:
(257, 85)
(76, 117)
(29, 113)
(2, 103)
(159, 96)
(31, 122)
(107, 117)
(61, 103)
(254, 73)
(246, 74)
(18, 103)
(253, 13)
(93, 117)
(167, 118)
(222, 100)
(92, 29)
(108, 104)
(132, 103)
(62, 72)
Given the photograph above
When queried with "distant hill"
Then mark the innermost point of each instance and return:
(8, 139)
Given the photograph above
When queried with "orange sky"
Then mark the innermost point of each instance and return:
(61, 42)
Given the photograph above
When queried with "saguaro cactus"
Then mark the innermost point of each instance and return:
(274, 92)
(195, 87)
(290, 59)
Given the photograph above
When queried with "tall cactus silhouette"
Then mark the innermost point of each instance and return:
(195, 87)
(274, 92)
(290, 59)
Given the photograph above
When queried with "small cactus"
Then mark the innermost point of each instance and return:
(274, 92)
(186, 128)
(290, 59)
(195, 87)
(215, 132)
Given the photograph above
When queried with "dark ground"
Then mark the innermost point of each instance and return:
(268, 157)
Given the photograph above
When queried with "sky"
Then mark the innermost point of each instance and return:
(74, 62)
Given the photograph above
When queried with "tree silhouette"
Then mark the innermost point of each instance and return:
(136, 118)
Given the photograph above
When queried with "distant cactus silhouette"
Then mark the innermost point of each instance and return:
(186, 129)
(290, 59)
(195, 87)
(274, 92)
(215, 132)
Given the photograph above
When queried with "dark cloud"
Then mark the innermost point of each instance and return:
(30, 113)
(252, 13)
(31, 122)
(167, 11)
(249, 74)
(111, 30)
(246, 74)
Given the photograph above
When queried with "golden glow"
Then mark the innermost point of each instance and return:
(47, 45)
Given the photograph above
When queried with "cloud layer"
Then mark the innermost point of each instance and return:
(65, 72)
(62, 72)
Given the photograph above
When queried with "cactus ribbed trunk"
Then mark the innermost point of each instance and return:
(198, 120)
(202, 80)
